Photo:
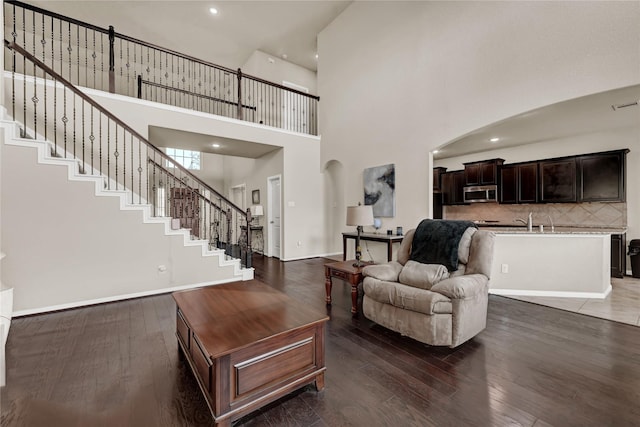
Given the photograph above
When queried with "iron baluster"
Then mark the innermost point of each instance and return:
(112, 61)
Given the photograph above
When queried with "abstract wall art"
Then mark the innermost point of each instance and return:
(380, 190)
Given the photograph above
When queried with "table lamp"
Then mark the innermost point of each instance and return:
(256, 212)
(359, 216)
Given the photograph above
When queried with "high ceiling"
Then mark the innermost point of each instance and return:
(241, 27)
(582, 115)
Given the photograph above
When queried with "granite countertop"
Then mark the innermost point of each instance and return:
(503, 228)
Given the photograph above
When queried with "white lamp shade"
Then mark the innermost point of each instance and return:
(360, 215)
(256, 210)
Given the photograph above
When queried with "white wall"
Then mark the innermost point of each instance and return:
(397, 80)
(66, 246)
(212, 171)
(254, 173)
(274, 69)
(302, 175)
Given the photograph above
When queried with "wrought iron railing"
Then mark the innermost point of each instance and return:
(99, 58)
(51, 108)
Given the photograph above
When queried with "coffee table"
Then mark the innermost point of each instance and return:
(346, 271)
(248, 345)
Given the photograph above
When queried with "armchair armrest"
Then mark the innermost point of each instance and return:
(388, 272)
(462, 287)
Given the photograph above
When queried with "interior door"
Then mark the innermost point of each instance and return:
(274, 202)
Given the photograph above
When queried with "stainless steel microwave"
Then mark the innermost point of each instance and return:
(481, 194)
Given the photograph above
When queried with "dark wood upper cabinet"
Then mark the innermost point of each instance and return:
(452, 184)
(484, 172)
(558, 180)
(601, 177)
(508, 184)
(519, 183)
(528, 182)
(437, 178)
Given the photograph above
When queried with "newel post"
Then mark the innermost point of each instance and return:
(249, 250)
(240, 112)
(112, 60)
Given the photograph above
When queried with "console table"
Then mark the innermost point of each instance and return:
(248, 345)
(372, 237)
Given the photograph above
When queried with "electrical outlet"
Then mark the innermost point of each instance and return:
(299, 243)
(505, 268)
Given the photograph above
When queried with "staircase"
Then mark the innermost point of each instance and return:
(137, 247)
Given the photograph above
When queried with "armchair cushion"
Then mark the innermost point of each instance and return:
(422, 276)
(388, 271)
(407, 297)
(481, 253)
(462, 287)
(404, 251)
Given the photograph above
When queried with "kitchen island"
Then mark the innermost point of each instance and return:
(569, 262)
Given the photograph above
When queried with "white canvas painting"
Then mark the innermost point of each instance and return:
(380, 190)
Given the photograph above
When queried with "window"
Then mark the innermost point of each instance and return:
(187, 158)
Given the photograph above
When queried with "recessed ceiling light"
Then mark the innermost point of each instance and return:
(494, 139)
(213, 10)
(316, 56)
(435, 151)
(215, 145)
(284, 56)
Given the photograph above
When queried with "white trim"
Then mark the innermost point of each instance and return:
(558, 294)
(270, 250)
(312, 256)
(119, 297)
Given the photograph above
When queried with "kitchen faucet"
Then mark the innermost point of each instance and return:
(528, 223)
(553, 229)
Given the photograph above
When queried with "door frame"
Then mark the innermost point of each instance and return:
(270, 251)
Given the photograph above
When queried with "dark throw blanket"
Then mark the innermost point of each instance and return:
(436, 242)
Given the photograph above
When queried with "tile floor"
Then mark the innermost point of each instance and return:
(621, 305)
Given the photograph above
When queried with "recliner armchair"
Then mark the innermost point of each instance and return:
(428, 302)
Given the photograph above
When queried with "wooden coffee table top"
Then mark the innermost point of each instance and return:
(231, 316)
(347, 266)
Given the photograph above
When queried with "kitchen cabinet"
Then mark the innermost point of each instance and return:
(437, 178)
(618, 255)
(528, 182)
(452, 188)
(558, 180)
(601, 177)
(508, 184)
(484, 172)
(519, 183)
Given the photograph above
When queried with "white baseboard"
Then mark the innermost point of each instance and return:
(555, 294)
(77, 304)
(311, 256)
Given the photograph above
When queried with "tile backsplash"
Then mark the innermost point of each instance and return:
(562, 214)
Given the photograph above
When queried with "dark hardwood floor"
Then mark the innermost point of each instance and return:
(118, 365)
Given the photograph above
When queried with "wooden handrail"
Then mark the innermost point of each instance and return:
(186, 92)
(57, 77)
(210, 64)
(56, 15)
(221, 197)
(153, 46)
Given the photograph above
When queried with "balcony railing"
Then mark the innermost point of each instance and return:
(99, 58)
(53, 109)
